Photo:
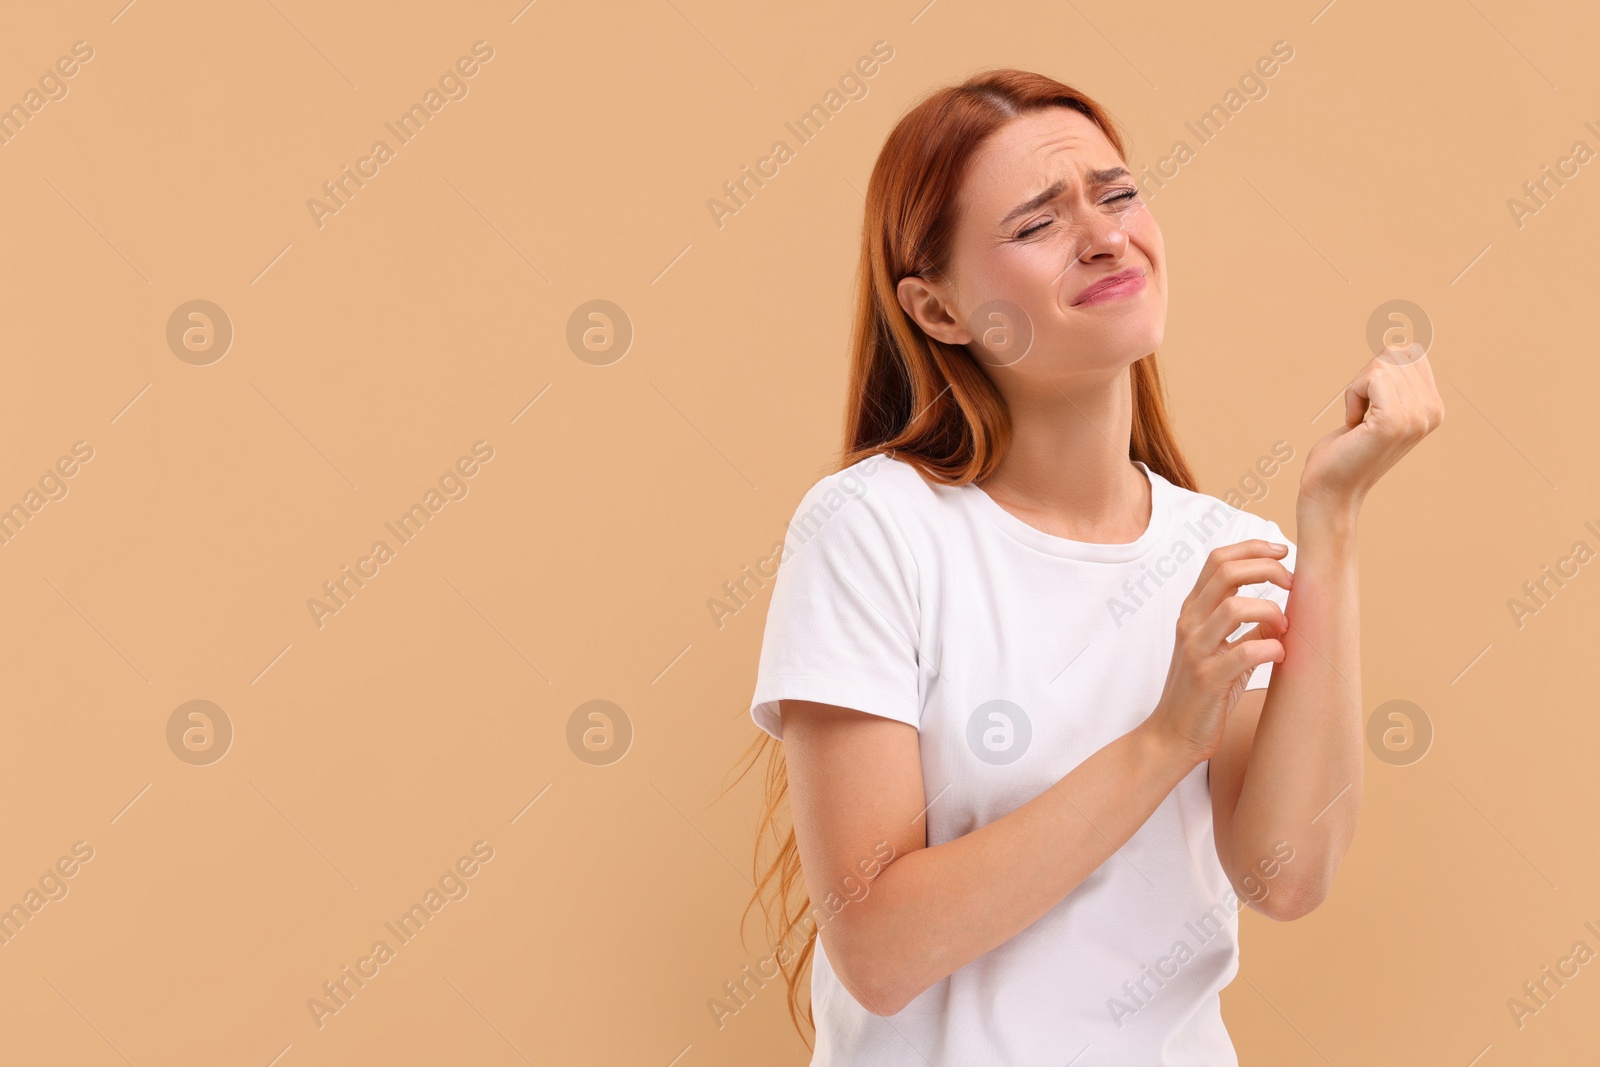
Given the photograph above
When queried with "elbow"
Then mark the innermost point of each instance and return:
(889, 1000)
(875, 982)
(1286, 903)
(884, 1003)
(876, 988)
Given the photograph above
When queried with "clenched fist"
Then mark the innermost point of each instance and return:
(1389, 407)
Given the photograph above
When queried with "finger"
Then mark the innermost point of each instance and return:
(1266, 628)
(1399, 406)
(1241, 550)
(1235, 612)
(1422, 393)
(1248, 655)
(1227, 579)
(1355, 394)
(1385, 399)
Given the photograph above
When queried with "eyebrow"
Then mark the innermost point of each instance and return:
(1096, 177)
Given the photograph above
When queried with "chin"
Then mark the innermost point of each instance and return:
(1134, 344)
(1147, 335)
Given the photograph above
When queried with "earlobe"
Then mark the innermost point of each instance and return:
(927, 309)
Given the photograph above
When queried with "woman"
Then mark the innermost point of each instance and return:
(1020, 665)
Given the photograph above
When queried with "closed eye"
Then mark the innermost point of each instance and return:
(1120, 198)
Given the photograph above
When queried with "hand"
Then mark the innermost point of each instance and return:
(1208, 673)
(1390, 406)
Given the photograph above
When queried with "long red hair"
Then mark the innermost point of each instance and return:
(929, 403)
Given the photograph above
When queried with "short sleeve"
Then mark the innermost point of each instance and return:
(842, 625)
(1268, 530)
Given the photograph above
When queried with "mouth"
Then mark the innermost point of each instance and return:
(1112, 287)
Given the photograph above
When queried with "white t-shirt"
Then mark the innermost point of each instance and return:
(1017, 654)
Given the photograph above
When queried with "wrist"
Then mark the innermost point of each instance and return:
(1164, 753)
(1337, 511)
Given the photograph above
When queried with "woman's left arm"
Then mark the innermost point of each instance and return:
(1296, 778)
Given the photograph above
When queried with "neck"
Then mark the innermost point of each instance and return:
(1068, 468)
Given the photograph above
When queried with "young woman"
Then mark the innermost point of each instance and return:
(1019, 664)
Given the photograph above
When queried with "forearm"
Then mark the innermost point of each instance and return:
(1303, 780)
(936, 909)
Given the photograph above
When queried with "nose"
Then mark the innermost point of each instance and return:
(1102, 232)
(1098, 236)
(1103, 236)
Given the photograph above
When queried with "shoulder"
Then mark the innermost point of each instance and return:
(1215, 519)
(876, 490)
(876, 508)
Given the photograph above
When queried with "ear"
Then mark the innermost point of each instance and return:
(927, 306)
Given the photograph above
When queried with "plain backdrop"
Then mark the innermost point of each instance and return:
(376, 340)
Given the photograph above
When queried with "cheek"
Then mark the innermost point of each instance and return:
(1148, 240)
(1027, 277)
(1143, 229)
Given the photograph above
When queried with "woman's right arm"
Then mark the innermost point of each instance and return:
(855, 780)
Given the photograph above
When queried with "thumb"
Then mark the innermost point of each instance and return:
(1355, 408)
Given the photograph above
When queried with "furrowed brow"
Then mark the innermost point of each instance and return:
(1096, 177)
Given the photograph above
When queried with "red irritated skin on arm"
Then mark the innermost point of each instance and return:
(1290, 766)
(1295, 748)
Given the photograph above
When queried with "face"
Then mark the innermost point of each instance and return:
(1022, 262)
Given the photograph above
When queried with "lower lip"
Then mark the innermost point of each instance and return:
(1115, 292)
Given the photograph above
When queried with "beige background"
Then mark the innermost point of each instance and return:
(432, 310)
